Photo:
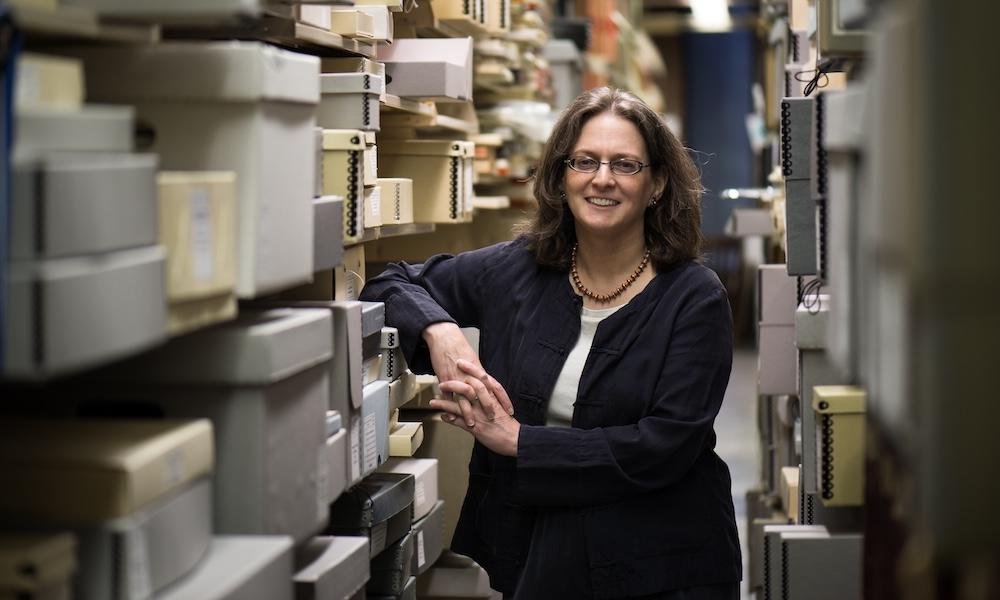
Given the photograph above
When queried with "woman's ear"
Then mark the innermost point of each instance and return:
(659, 185)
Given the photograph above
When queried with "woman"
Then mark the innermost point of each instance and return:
(597, 317)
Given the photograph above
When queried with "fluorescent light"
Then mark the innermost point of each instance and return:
(711, 15)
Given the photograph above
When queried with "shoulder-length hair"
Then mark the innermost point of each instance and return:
(672, 224)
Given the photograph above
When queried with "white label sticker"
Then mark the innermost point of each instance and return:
(378, 537)
(355, 448)
(419, 496)
(375, 203)
(373, 163)
(202, 255)
(421, 557)
(371, 444)
(173, 467)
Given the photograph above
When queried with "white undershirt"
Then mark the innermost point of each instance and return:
(564, 395)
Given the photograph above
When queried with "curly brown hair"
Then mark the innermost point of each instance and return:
(672, 224)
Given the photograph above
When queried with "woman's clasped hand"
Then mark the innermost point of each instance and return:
(480, 406)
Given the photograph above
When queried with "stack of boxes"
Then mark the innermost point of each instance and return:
(204, 226)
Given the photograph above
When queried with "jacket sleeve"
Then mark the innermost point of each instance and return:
(576, 467)
(445, 288)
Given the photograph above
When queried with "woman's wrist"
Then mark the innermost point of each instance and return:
(436, 330)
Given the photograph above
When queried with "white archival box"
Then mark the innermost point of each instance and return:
(70, 314)
(72, 203)
(242, 106)
(264, 381)
(239, 568)
(349, 101)
(438, 69)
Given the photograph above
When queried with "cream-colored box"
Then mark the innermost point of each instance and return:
(317, 15)
(840, 444)
(343, 155)
(788, 487)
(198, 228)
(93, 470)
(392, 5)
(441, 175)
(405, 439)
(498, 16)
(37, 565)
(349, 278)
(246, 107)
(382, 23)
(352, 23)
(52, 82)
(397, 200)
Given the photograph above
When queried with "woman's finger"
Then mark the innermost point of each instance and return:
(489, 382)
(447, 406)
(487, 403)
(463, 392)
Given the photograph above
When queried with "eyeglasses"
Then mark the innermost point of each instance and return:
(620, 166)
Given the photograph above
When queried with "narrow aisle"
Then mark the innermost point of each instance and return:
(737, 438)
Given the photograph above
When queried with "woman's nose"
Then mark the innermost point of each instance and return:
(604, 175)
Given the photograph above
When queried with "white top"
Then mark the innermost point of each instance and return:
(564, 395)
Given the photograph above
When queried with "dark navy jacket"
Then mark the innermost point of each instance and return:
(632, 500)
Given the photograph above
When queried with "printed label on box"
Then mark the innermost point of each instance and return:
(375, 203)
(202, 256)
(421, 557)
(418, 493)
(371, 444)
(355, 448)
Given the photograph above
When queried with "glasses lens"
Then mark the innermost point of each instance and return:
(625, 166)
(584, 164)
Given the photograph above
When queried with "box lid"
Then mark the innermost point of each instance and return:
(343, 139)
(350, 83)
(338, 564)
(832, 399)
(241, 71)
(425, 147)
(375, 499)
(233, 562)
(257, 348)
(456, 51)
(372, 318)
(91, 470)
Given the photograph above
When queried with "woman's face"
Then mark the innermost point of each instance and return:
(603, 202)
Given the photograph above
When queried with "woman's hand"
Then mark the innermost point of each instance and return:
(490, 420)
(447, 346)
